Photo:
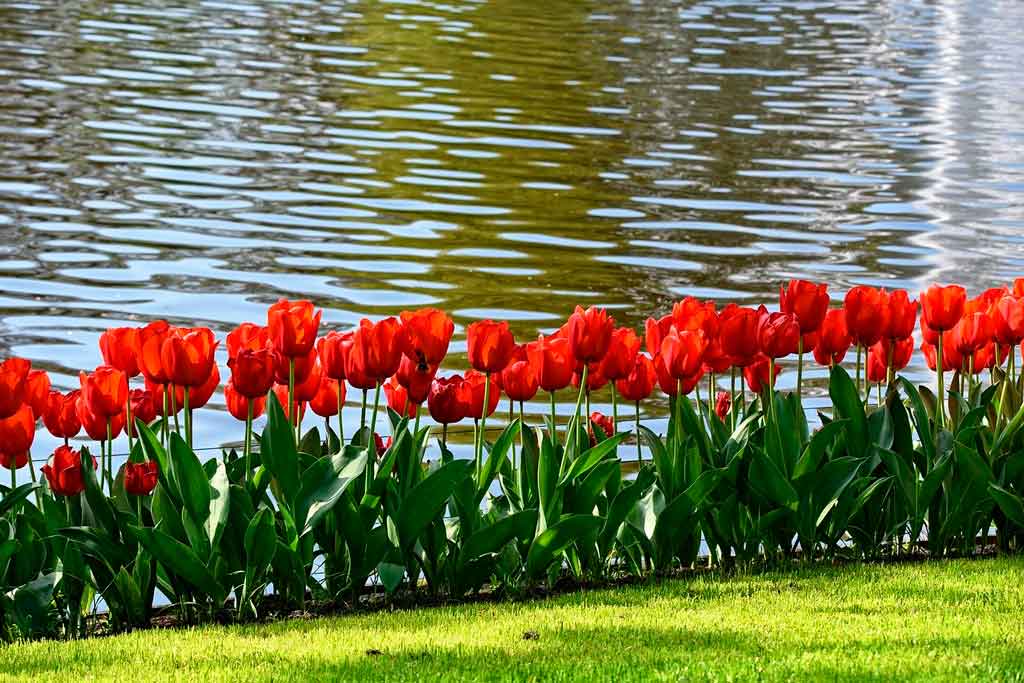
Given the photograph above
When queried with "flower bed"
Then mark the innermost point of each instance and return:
(318, 515)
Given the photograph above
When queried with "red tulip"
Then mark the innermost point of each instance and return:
(595, 380)
(723, 402)
(986, 357)
(172, 394)
(737, 332)
(238, 404)
(307, 389)
(292, 327)
(639, 383)
(604, 423)
(692, 314)
(104, 391)
(333, 349)
(13, 373)
(95, 424)
(833, 339)
(301, 365)
(144, 407)
(552, 362)
(140, 477)
(37, 391)
(148, 354)
(426, 334)
(201, 395)
(326, 402)
(902, 350)
(119, 346)
(757, 374)
(655, 331)
(778, 335)
(683, 352)
(943, 307)
(187, 355)
(1008, 320)
(17, 432)
(415, 378)
(61, 414)
(376, 350)
(247, 337)
(806, 301)
(951, 359)
(281, 391)
(473, 394)
(381, 446)
(716, 360)
(398, 399)
(589, 333)
(670, 384)
(971, 333)
(902, 315)
(1018, 287)
(253, 371)
(64, 473)
(622, 350)
(447, 400)
(876, 370)
(518, 379)
(490, 345)
(867, 314)
(13, 460)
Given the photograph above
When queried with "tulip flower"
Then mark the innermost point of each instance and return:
(13, 373)
(833, 339)
(867, 319)
(655, 330)
(61, 414)
(63, 472)
(972, 332)
(683, 352)
(247, 337)
(943, 306)
(292, 327)
(37, 391)
(902, 315)
(376, 349)
(806, 301)
(447, 403)
(104, 391)
(253, 371)
(201, 395)
(119, 347)
(476, 390)
(738, 328)
(333, 349)
(17, 432)
(283, 397)
(589, 333)
(309, 386)
(1008, 320)
(187, 356)
(552, 363)
(426, 334)
(398, 399)
(140, 477)
(778, 335)
(519, 381)
(490, 346)
(951, 360)
(328, 399)
(639, 383)
(415, 378)
(672, 386)
(723, 402)
(761, 374)
(148, 354)
(622, 351)
(238, 406)
(602, 422)
(142, 406)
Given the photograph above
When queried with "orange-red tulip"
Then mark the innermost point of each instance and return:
(683, 352)
(201, 395)
(325, 403)
(833, 339)
(148, 353)
(426, 334)
(902, 315)
(61, 414)
(489, 345)
(104, 391)
(252, 371)
(292, 327)
(140, 477)
(187, 355)
(376, 350)
(95, 424)
(398, 399)
(670, 384)
(415, 378)
(238, 404)
(778, 335)
(473, 394)
(971, 333)
(144, 407)
(247, 337)
(13, 373)
(447, 400)
(552, 362)
(622, 350)
(1008, 320)
(37, 391)
(333, 349)
(119, 346)
(943, 307)
(867, 314)
(757, 374)
(805, 300)
(63, 472)
(737, 332)
(589, 333)
(17, 432)
(639, 383)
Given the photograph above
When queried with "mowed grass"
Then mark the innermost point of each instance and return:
(945, 620)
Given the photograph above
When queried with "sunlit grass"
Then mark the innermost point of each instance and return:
(953, 620)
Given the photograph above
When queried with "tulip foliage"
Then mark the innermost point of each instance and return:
(740, 475)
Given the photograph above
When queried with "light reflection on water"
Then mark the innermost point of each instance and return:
(198, 161)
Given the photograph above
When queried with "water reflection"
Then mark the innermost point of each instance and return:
(196, 162)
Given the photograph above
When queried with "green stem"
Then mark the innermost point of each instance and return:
(293, 412)
(341, 424)
(483, 423)
(770, 388)
(128, 424)
(362, 413)
(511, 418)
(732, 396)
(639, 448)
(371, 442)
(248, 439)
(554, 431)
(522, 436)
(574, 421)
(174, 409)
(800, 367)
(163, 425)
(188, 420)
(938, 366)
(615, 411)
(859, 350)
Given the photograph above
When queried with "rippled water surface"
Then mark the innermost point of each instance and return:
(197, 160)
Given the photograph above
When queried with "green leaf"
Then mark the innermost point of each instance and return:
(195, 487)
(427, 499)
(1010, 503)
(551, 542)
(816, 447)
(493, 538)
(14, 497)
(847, 404)
(277, 449)
(767, 481)
(591, 457)
(165, 467)
(322, 486)
(494, 459)
(260, 542)
(180, 559)
(220, 504)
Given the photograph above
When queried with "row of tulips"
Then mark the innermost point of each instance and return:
(319, 516)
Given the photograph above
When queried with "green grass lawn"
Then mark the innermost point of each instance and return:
(955, 620)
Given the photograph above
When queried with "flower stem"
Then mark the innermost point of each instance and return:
(341, 424)
(248, 439)
(483, 423)
(639, 448)
(293, 412)
(800, 367)
(188, 420)
(371, 442)
(938, 366)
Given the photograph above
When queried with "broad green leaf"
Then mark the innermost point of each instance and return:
(427, 499)
(277, 449)
(546, 548)
(220, 504)
(493, 538)
(591, 457)
(848, 405)
(494, 458)
(181, 560)
(322, 486)
(770, 483)
(195, 486)
(1010, 503)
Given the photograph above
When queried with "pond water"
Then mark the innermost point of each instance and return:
(196, 160)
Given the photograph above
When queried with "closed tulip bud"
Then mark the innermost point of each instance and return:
(716, 360)
(951, 359)
(655, 330)
(737, 333)
(473, 394)
(13, 373)
(292, 327)
(552, 362)
(37, 391)
(61, 414)
(310, 384)
(693, 314)
(602, 422)
(943, 307)
(63, 472)
(757, 374)
(187, 355)
(806, 301)
(104, 391)
(867, 314)
(119, 346)
(17, 432)
(376, 350)
(140, 478)
(447, 400)
(333, 349)
(778, 335)
(301, 366)
(902, 315)
(489, 345)
(148, 354)
(238, 404)
(876, 370)
(589, 333)
(144, 407)
(328, 400)
(622, 349)
(723, 402)
(671, 385)
(426, 334)
(519, 381)
(247, 337)
(595, 380)
(639, 383)
(253, 371)
(833, 339)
